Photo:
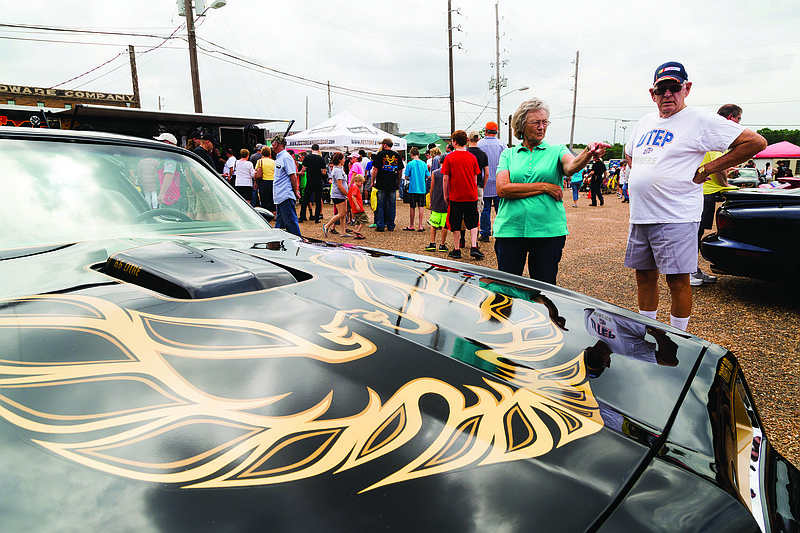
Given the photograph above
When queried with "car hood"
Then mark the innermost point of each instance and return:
(251, 378)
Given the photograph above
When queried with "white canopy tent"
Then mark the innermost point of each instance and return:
(343, 133)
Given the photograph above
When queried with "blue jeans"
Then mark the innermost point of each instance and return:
(286, 217)
(542, 254)
(387, 206)
(486, 214)
(576, 186)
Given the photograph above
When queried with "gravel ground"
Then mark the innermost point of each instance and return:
(757, 321)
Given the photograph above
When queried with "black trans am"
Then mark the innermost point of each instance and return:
(758, 235)
(172, 363)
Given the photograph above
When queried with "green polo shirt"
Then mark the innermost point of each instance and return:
(534, 216)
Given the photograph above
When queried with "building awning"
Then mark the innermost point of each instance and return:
(89, 112)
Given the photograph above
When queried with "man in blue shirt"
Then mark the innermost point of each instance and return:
(493, 147)
(286, 187)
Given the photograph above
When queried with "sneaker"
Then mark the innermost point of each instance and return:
(379, 230)
(707, 278)
(695, 280)
(443, 248)
(431, 247)
(455, 254)
(373, 225)
(476, 254)
(483, 238)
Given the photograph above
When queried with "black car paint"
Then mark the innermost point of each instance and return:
(758, 235)
(130, 408)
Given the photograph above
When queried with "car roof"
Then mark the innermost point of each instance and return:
(45, 134)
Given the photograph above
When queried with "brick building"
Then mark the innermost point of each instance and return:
(22, 95)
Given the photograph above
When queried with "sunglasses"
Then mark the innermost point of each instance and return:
(674, 89)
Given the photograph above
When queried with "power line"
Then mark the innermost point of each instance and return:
(75, 30)
(88, 71)
(233, 55)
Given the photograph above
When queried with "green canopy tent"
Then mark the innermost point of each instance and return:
(421, 140)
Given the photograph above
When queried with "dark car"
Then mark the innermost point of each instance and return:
(183, 366)
(758, 235)
(745, 177)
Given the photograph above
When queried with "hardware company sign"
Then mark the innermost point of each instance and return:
(64, 93)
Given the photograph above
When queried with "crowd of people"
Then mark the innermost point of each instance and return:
(674, 167)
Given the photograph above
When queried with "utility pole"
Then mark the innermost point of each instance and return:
(497, 61)
(450, 55)
(329, 99)
(198, 102)
(135, 78)
(574, 100)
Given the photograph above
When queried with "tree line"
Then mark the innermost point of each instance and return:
(776, 136)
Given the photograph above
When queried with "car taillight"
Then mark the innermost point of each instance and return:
(725, 222)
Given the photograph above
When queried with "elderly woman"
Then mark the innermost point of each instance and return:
(531, 223)
(244, 173)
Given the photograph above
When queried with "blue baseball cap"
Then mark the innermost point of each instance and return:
(671, 70)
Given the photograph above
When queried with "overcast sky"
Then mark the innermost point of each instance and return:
(735, 51)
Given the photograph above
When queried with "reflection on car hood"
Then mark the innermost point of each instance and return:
(358, 380)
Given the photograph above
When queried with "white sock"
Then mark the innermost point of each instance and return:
(680, 323)
(649, 314)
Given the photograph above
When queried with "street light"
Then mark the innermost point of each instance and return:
(515, 90)
(214, 5)
(187, 11)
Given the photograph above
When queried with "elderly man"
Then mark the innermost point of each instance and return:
(492, 147)
(665, 152)
(285, 188)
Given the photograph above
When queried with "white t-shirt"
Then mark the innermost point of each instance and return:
(244, 173)
(229, 165)
(665, 154)
(623, 336)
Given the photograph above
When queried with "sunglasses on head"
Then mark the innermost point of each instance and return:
(673, 88)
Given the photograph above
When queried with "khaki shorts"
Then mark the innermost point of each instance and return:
(361, 218)
(670, 248)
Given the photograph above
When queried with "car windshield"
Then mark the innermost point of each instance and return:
(748, 173)
(63, 192)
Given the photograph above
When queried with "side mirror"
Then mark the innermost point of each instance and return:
(266, 214)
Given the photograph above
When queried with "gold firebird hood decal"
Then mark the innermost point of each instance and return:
(127, 436)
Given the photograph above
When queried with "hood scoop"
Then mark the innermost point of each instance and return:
(181, 271)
